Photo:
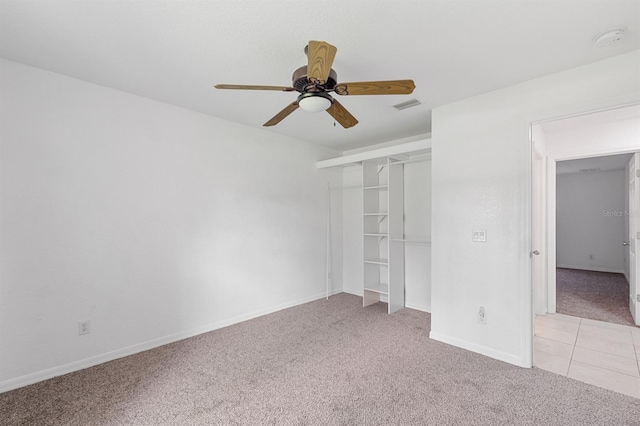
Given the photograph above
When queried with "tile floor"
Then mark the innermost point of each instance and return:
(595, 352)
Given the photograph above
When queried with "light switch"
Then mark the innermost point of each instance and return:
(479, 236)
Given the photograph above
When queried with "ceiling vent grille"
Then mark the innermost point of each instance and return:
(595, 169)
(409, 104)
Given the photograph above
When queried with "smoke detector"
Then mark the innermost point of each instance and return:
(609, 37)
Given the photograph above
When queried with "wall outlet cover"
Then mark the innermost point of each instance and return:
(482, 315)
(84, 327)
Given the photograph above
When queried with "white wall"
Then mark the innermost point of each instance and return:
(595, 140)
(417, 226)
(417, 209)
(151, 221)
(352, 274)
(482, 180)
(588, 237)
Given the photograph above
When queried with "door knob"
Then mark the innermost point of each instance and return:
(625, 243)
(536, 252)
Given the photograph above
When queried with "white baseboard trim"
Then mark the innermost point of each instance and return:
(589, 268)
(351, 291)
(482, 350)
(49, 373)
(627, 277)
(417, 306)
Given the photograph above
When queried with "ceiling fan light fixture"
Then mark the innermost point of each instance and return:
(314, 102)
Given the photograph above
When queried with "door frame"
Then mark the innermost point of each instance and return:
(632, 234)
(538, 227)
(549, 254)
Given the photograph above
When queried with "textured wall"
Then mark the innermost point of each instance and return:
(481, 180)
(590, 220)
(152, 221)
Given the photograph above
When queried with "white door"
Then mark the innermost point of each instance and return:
(634, 237)
(538, 246)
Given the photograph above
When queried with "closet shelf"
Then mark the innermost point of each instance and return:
(383, 212)
(377, 261)
(377, 288)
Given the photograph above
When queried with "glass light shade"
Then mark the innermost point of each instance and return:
(314, 103)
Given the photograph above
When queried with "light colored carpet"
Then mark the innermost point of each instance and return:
(601, 296)
(323, 363)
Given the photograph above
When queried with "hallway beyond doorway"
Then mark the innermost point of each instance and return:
(601, 296)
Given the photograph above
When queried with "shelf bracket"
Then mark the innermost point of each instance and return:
(380, 169)
(380, 219)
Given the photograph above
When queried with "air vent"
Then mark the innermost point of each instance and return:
(409, 104)
(595, 169)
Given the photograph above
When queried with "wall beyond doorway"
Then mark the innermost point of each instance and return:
(590, 220)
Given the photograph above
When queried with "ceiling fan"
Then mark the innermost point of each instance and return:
(316, 80)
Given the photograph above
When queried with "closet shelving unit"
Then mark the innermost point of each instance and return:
(382, 202)
(383, 216)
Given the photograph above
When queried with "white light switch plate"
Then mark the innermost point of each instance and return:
(479, 236)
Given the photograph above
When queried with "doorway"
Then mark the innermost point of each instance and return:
(592, 256)
(565, 143)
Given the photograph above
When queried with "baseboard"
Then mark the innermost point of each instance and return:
(588, 268)
(354, 292)
(482, 350)
(626, 277)
(417, 306)
(49, 373)
(383, 297)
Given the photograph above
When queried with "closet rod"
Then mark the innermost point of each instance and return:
(411, 241)
(342, 188)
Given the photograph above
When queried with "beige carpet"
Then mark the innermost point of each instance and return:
(323, 363)
(601, 296)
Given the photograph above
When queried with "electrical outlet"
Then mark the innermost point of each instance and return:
(482, 315)
(84, 327)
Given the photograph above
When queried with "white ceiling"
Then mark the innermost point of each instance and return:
(175, 51)
(594, 164)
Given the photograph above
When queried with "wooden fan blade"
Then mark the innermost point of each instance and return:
(341, 115)
(246, 87)
(321, 57)
(282, 114)
(391, 87)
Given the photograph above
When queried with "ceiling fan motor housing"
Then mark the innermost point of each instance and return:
(304, 84)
